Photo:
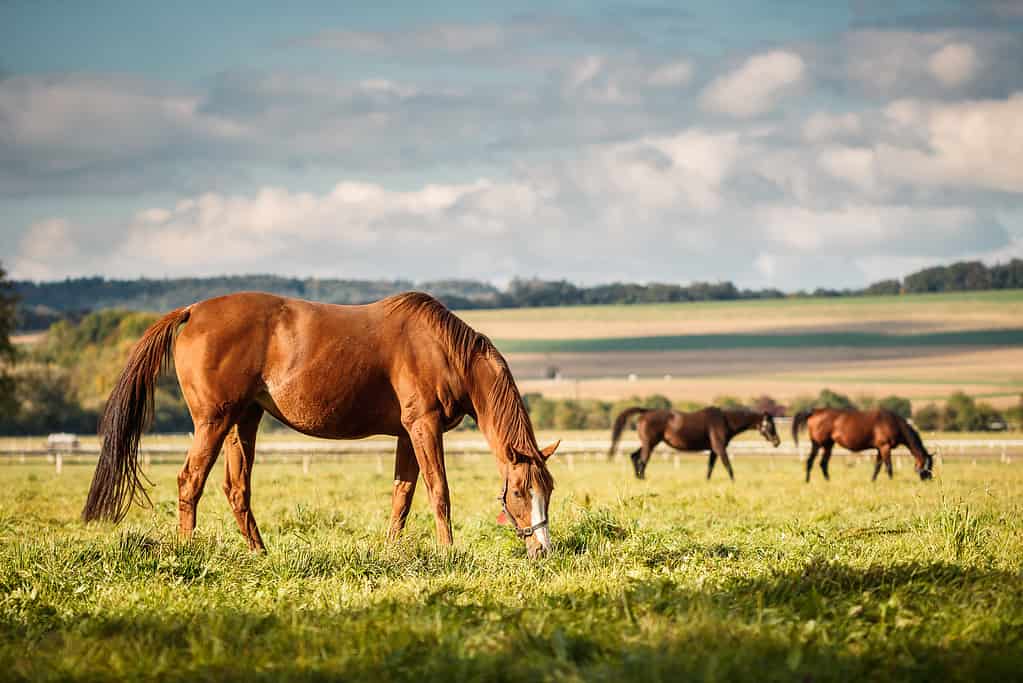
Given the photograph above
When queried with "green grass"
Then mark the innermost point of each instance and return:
(696, 342)
(668, 579)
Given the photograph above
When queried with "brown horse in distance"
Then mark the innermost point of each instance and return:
(403, 366)
(709, 429)
(857, 431)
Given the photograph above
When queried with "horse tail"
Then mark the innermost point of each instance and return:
(118, 480)
(619, 425)
(798, 422)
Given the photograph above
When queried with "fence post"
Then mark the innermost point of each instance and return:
(380, 463)
(58, 458)
(305, 463)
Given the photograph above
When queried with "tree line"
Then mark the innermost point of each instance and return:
(43, 303)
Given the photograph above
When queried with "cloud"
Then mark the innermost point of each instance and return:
(954, 64)
(968, 144)
(823, 126)
(756, 86)
(670, 75)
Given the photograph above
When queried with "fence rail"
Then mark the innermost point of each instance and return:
(592, 449)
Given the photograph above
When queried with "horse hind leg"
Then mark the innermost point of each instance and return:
(814, 447)
(637, 466)
(877, 466)
(711, 459)
(825, 459)
(209, 437)
(406, 473)
(239, 456)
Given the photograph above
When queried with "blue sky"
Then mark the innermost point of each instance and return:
(787, 144)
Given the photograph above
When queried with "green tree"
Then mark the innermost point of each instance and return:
(657, 402)
(832, 399)
(928, 418)
(8, 312)
(896, 404)
(728, 403)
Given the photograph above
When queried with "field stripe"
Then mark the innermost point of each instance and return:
(696, 342)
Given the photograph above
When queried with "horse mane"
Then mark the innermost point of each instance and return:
(741, 417)
(467, 346)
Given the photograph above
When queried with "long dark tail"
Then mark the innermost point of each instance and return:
(619, 425)
(798, 422)
(118, 481)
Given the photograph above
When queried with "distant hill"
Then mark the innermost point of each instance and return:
(44, 303)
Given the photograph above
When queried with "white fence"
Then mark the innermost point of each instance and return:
(474, 448)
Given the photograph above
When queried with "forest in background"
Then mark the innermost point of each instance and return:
(44, 303)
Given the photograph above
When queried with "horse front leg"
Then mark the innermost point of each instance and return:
(406, 474)
(719, 446)
(711, 458)
(877, 466)
(426, 436)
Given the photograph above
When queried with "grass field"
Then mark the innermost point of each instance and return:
(672, 578)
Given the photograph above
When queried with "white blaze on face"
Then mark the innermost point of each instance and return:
(538, 515)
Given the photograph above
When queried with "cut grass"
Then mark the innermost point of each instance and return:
(675, 577)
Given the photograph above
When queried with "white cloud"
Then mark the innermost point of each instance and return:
(756, 86)
(975, 144)
(823, 126)
(954, 64)
(45, 250)
(670, 75)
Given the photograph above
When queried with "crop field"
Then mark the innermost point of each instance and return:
(666, 579)
(924, 347)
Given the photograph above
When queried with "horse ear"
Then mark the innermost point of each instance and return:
(549, 451)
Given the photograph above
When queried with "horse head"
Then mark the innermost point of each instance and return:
(767, 430)
(525, 499)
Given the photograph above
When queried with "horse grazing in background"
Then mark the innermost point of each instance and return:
(403, 366)
(858, 430)
(709, 429)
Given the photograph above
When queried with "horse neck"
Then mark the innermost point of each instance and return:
(740, 420)
(500, 414)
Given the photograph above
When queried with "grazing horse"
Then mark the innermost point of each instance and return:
(404, 366)
(858, 430)
(709, 429)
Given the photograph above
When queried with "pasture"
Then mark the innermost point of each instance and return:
(765, 579)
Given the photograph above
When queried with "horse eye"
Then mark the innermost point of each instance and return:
(516, 494)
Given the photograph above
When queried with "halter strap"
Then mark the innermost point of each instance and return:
(521, 532)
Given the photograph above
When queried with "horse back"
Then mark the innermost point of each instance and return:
(323, 369)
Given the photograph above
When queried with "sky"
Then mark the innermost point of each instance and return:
(791, 144)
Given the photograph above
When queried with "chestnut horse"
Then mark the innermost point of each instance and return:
(709, 429)
(858, 430)
(403, 366)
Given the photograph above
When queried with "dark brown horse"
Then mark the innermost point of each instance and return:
(858, 430)
(709, 429)
(404, 366)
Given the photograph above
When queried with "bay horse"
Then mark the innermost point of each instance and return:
(710, 429)
(404, 366)
(857, 430)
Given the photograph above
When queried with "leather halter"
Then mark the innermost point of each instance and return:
(521, 532)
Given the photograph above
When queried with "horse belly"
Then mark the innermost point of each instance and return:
(345, 408)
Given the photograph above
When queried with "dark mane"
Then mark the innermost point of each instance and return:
(467, 346)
